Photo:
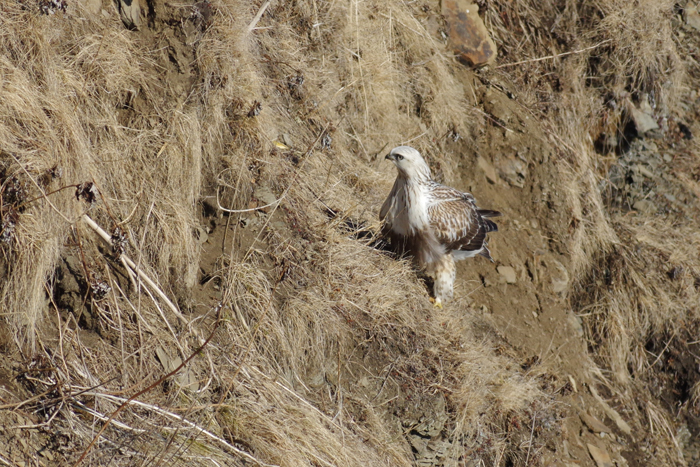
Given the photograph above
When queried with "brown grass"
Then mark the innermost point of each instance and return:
(280, 381)
(621, 261)
(308, 369)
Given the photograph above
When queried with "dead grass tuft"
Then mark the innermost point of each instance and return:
(624, 288)
(325, 339)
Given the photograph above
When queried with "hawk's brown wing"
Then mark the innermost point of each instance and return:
(457, 222)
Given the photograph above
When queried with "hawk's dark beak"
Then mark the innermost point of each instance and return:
(391, 157)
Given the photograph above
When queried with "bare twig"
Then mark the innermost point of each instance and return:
(182, 419)
(549, 57)
(151, 386)
(6, 462)
(107, 238)
(82, 407)
(664, 350)
(529, 445)
(257, 17)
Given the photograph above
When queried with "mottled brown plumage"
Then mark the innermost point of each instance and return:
(436, 224)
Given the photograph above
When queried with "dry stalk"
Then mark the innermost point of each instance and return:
(107, 238)
(182, 419)
(258, 15)
(550, 57)
(151, 386)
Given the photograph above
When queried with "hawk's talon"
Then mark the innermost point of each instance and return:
(437, 303)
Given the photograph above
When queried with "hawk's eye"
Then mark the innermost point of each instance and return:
(399, 157)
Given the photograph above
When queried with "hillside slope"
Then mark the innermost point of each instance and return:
(242, 310)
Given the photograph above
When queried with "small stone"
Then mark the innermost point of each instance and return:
(508, 273)
(668, 158)
(278, 226)
(691, 16)
(467, 32)
(600, 456)
(576, 324)
(648, 145)
(645, 206)
(200, 235)
(645, 106)
(593, 424)
(265, 198)
(560, 277)
(488, 169)
(420, 445)
(643, 122)
(513, 171)
(644, 171)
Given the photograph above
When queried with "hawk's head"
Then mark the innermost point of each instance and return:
(410, 163)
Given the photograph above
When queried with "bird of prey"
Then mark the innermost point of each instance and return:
(436, 224)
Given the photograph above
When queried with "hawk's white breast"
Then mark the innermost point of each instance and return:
(408, 212)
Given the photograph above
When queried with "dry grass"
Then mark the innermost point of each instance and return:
(155, 124)
(323, 337)
(622, 262)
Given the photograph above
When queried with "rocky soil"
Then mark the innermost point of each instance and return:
(522, 302)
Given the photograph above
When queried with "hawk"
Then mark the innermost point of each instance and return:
(436, 224)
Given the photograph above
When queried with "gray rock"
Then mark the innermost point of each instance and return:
(513, 171)
(200, 235)
(576, 324)
(593, 424)
(648, 145)
(643, 122)
(420, 445)
(508, 273)
(691, 16)
(600, 456)
(265, 197)
(287, 140)
(644, 171)
(645, 206)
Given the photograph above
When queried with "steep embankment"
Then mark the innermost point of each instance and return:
(235, 153)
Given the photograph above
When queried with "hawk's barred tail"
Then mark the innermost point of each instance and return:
(490, 225)
(488, 213)
(486, 253)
